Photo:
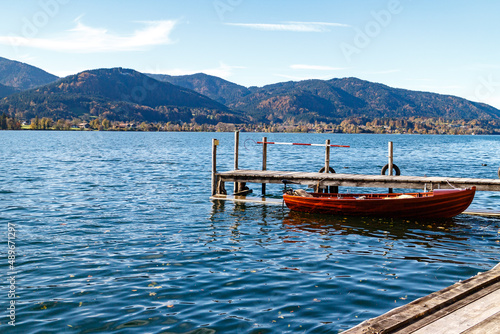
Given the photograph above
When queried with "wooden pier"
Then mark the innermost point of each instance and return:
(321, 180)
(468, 307)
(357, 180)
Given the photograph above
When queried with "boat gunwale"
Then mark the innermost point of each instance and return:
(379, 196)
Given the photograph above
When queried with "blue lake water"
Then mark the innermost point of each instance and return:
(115, 232)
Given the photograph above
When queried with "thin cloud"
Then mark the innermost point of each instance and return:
(291, 26)
(440, 89)
(86, 39)
(27, 58)
(316, 67)
(65, 73)
(382, 72)
(478, 67)
(222, 71)
(302, 78)
(492, 101)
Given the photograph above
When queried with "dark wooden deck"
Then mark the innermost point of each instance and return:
(468, 307)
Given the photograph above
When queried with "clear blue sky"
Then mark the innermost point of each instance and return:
(448, 47)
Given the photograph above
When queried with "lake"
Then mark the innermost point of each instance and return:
(115, 232)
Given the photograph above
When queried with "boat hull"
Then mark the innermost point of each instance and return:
(436, 204)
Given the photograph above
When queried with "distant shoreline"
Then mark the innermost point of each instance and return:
(413, 125)
(258, 130)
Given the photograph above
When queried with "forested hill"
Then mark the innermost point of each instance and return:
(23, 76)
(216, 88)
(336, 99)
(331, 100)
(115, 94)
(6, 90)
(403, 102)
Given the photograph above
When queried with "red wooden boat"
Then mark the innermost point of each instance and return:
(443, 203)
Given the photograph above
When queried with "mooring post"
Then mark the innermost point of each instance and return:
(236, 147)
(327, 166)
(391, 160)
(327, 156)
(264, 161)
(215, 142)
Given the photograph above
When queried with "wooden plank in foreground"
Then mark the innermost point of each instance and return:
(490, 325)
(470, 306)
(476, 314)
(359, 180)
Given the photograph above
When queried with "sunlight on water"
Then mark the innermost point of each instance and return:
(115, 233)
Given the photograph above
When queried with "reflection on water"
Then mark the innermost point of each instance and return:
(116, 233)
(368, 226)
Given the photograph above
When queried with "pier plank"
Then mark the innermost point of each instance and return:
(490, 325)
(470, 306)
(466, 317)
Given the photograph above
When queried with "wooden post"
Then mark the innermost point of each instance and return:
(264, 162)
(327, 156)
(215, 142)
(391, 160)
(236, 147)
(330, 189)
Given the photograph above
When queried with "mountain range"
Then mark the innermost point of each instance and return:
(127, 95)
(336, 99)
(330, 100)
(23, 76)
(116, 94)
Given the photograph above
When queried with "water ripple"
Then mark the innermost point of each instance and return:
(115, 233)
